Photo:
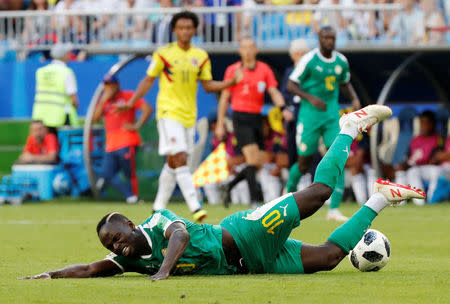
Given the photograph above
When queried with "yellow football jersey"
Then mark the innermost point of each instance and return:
(179, 72)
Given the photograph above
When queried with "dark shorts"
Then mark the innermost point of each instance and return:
(248, 129)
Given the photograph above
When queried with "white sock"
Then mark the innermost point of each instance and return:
(359, 188)
(400, 178)
(166, 185)
(377, 202)
(185, 182)
(371, 178)
(349, 128)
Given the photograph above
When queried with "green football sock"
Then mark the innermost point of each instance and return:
(332, 164)
(294, 177)
(338, 193)
(349, 234)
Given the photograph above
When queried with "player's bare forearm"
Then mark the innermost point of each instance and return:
(215, 86)
(277, 97)
(47, 158)
(142, 89)
(349, 92)
(294, 88)
(146, 112)
(219, 132)
(103, 268)
(178, 242)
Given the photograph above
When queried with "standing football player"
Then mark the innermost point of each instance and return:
(179, 66)
(317, 79)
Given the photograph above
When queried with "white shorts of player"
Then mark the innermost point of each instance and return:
(174, 137)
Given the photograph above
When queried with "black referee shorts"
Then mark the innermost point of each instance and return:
(248, 129)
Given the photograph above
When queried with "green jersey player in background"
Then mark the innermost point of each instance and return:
(317, 79)
(252, 241)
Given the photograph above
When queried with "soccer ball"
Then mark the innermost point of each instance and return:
(372, 252)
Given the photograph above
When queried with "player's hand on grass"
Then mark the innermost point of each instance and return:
(44, 275)
(159, 276)
(130, 127)
(318, 103)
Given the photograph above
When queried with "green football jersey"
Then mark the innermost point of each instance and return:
(321, 77)
(204, 254)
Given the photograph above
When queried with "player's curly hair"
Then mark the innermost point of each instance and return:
(184, 15)
(110, 217)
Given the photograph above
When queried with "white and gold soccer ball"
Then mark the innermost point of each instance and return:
(372, 252)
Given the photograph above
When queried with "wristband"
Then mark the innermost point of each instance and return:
(282, 108)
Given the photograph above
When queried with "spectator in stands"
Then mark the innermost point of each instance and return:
(35, 27)
(134, 24)
(362, 24)
(219, 26)
(56, 100)
(122, 138)
(433, 22)
(382, 19)
(162, 32)
(41, 146)
(106, 26)
(12, 5)
(69, 24)
(297, 49)
(406, 25)
(247, 99)
(419, 166)
(335, 19)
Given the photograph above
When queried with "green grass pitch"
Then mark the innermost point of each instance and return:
(45, 236)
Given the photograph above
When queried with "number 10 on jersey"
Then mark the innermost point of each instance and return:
(272, 220)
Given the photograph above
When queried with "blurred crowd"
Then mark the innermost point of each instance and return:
(421, 21)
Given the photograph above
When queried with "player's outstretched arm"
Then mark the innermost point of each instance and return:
(103, 268)
(142, 89)
(178, 238)
(215, 86)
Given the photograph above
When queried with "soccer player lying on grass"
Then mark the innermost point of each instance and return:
(253, 241)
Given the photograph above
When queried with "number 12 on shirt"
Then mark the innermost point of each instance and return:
(329, 82)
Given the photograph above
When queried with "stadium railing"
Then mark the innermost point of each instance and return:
(134, 31)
